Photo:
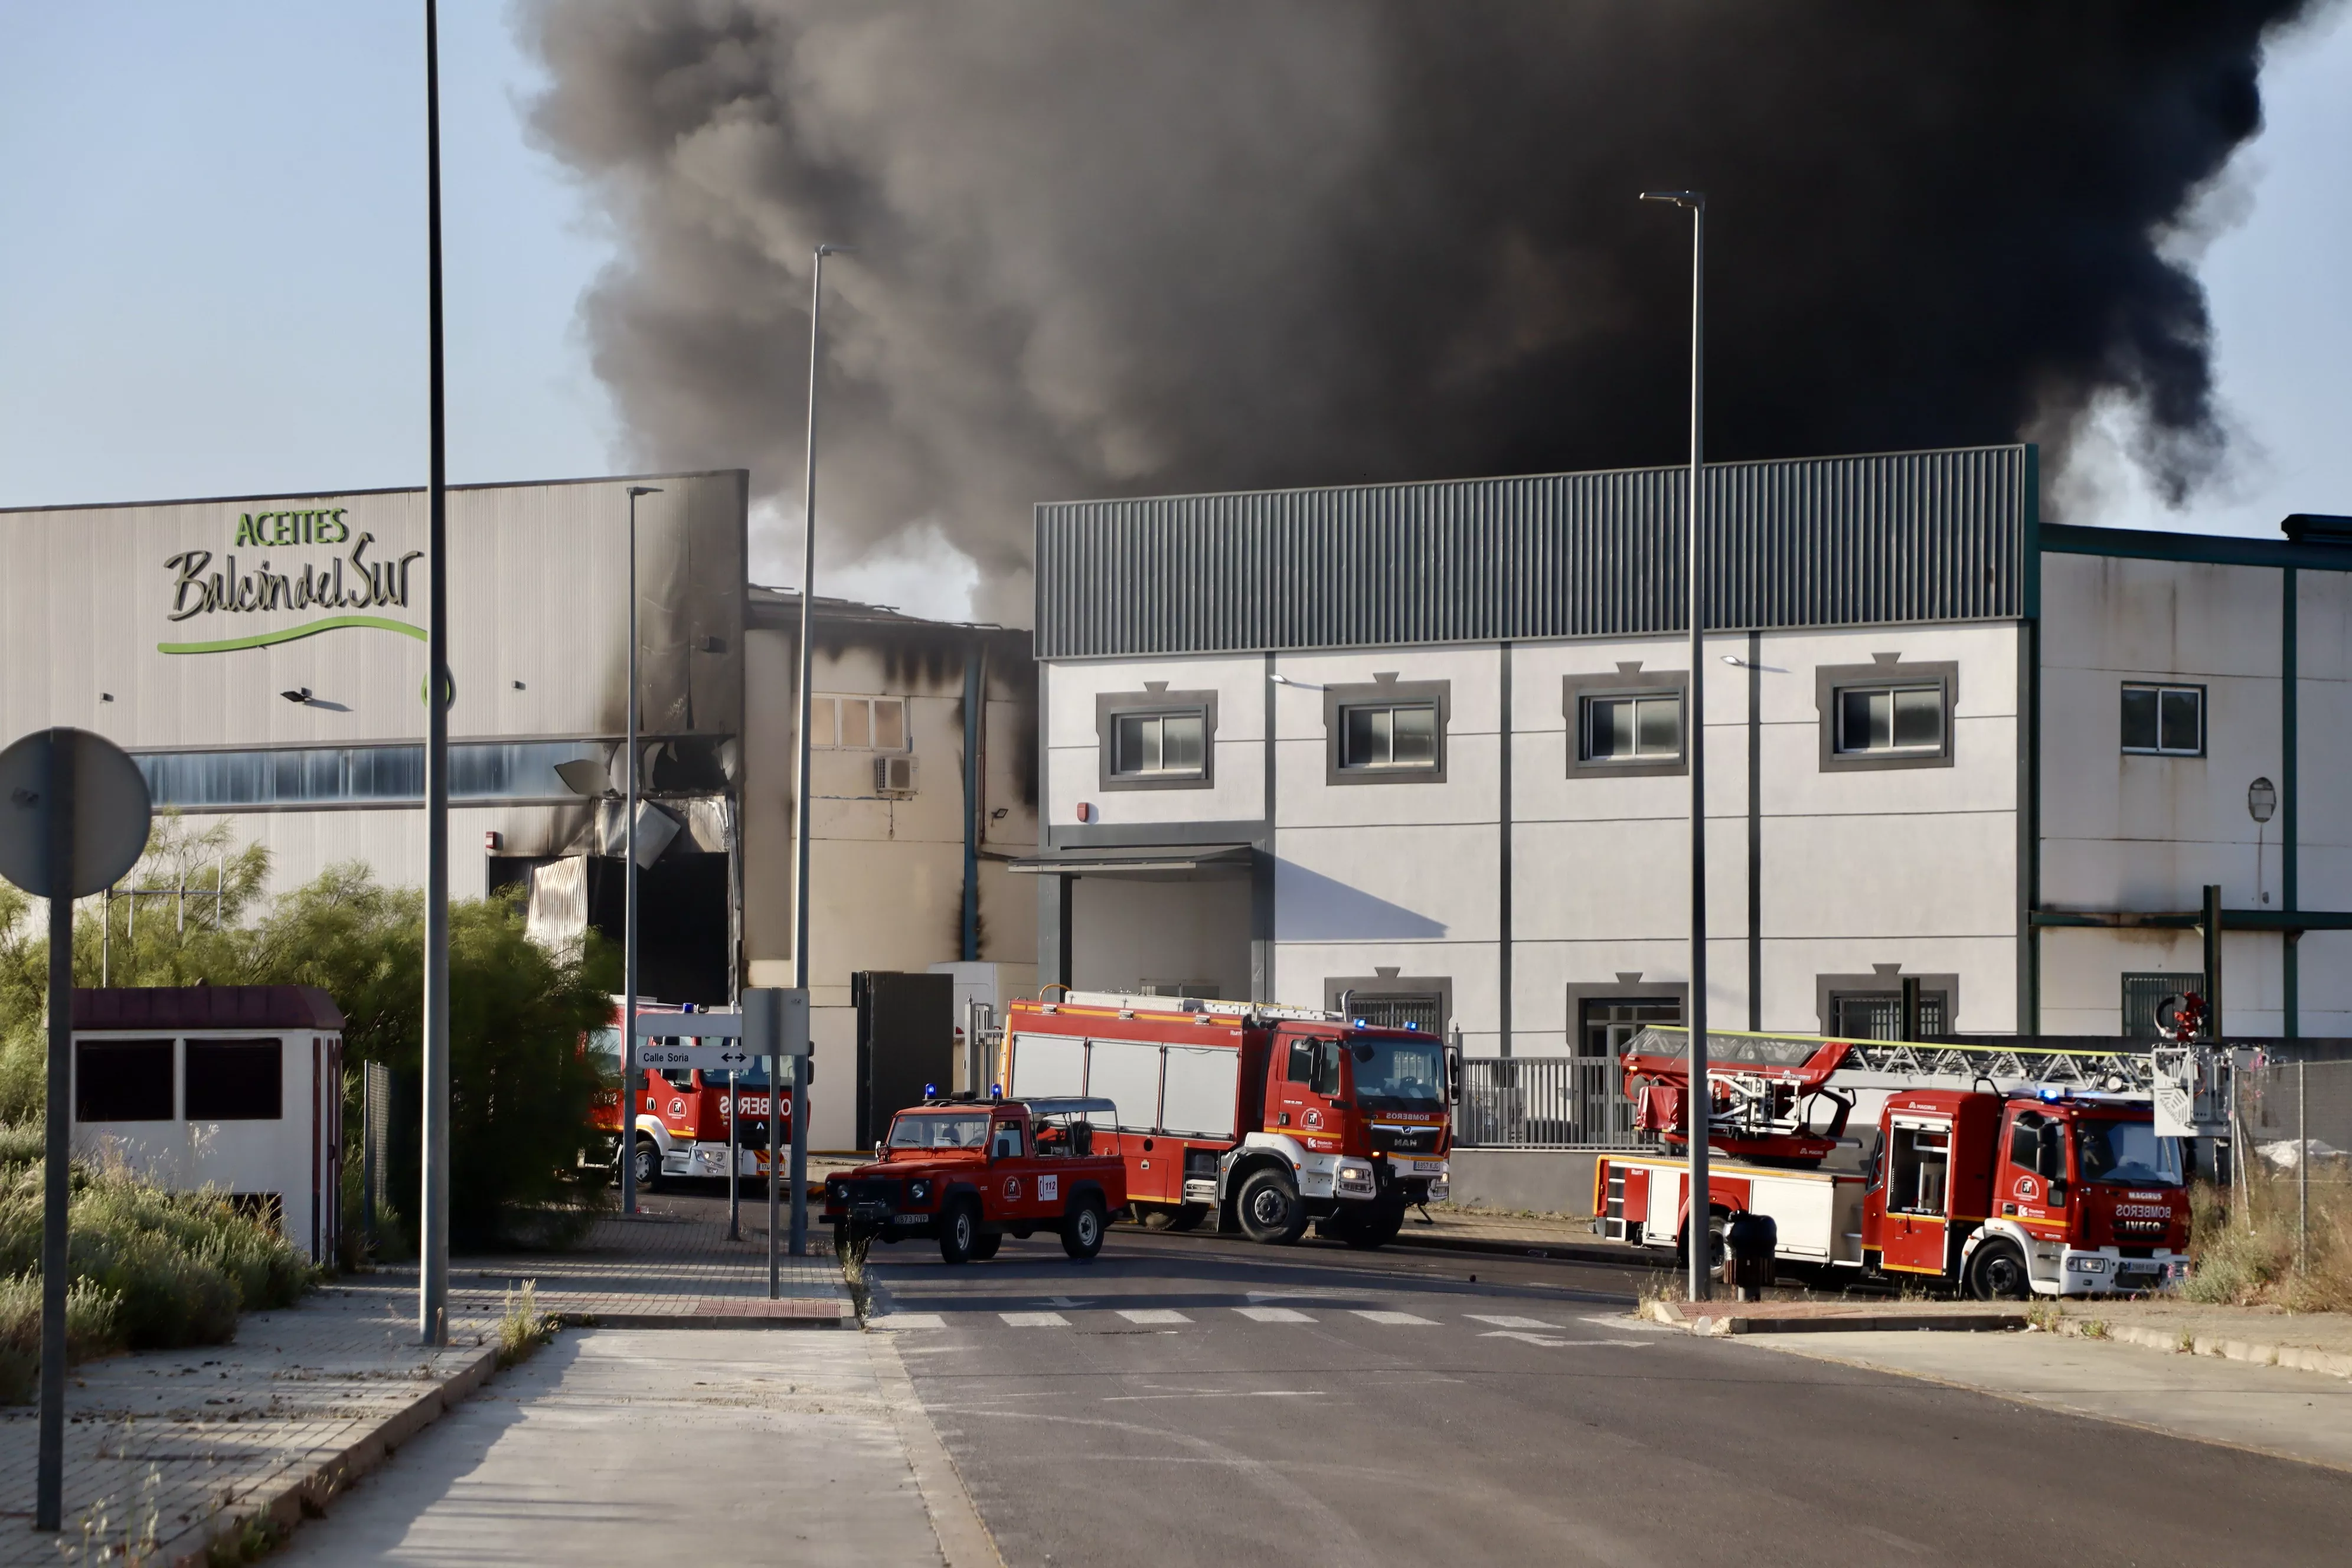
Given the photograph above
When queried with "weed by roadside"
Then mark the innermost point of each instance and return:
(523, 1328)
(2044, 1314)
(2247, 1258)
(254, 1539)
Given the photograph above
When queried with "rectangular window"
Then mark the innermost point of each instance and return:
(1878, 1015)
(845, 723)
(1634, 729)
(2151, 1001)
(1402, 736)
(1890, 719)
(236, 1080)
(2164, 720)
(359, 775)
(1160, 746)
(122, 1080)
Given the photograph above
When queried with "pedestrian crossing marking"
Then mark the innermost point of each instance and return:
(907, 1320)
(1153, 1315)
(1034, 1319)
(1274, 1315)
(1394, 1318)
(1507, 1322)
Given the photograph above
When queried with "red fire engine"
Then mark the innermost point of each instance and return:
(1268, 1118)
(2029, 1192)
(682, 1114)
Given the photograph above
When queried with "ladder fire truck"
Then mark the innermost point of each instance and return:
(1268, 1118)
(2002, 1171)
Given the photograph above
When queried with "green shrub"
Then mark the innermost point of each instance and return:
(92, 1329)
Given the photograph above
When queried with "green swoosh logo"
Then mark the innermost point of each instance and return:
(263, 640)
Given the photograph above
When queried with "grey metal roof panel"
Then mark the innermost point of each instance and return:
(1906, 536)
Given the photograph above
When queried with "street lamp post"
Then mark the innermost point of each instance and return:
(1698, 1249)
(433, 1224)
(800, 825)
(628, 1144)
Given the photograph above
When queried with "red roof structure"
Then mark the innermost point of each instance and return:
(179, 1007)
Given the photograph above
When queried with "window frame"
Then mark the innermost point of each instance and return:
(1110, 707)
(1383, 692)
(906, 721)
(1886, 981)
(1336, 988)
(2160, 688)
(1832, 681)
(1578, 691)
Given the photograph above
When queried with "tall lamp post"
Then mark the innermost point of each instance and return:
(1699, 1247)
(629, 888)
(433, 1224)
(801, 813)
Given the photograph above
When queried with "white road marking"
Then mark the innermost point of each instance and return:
(1221, 1394)
(1394, 1319)
(907, 1320)
(1153, 1315)
(1068, 1301)
(1273, 1315)
(1637, 1325)
(1507, 1321)
(1548, 1340)
(1034, 1319)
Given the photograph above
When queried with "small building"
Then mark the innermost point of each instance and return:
(234, 1087)
(1420, 751)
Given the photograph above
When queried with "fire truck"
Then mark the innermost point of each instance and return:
(2042, 1188)
(682, 1114)
(969, 1173)
(1268, 1118)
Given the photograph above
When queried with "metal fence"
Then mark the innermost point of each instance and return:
(1544, 1103)
(2284, 1106)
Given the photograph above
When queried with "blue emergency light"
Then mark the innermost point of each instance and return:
(996, 1091)
(930, 1091)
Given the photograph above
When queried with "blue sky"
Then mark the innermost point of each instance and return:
(211, 279)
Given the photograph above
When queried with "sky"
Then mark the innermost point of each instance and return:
(212, 276)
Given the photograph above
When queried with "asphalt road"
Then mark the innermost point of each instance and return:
(1193, 1400)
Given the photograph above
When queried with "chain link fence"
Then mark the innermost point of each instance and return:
(2299, 1113)
(1544, 1103)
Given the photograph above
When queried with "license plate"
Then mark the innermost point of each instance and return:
(906, 1219)
(1428, 1167)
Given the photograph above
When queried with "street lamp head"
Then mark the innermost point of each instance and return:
(836, 250)
(1680, 198)
(2261, 800)
(645, 489)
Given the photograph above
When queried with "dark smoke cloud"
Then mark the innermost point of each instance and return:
(1116, 246)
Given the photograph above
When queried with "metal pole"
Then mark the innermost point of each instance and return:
(1695, 730)
(49, 1470)
(734, 1159)
(800, 805)
(2302, 1167)
(628, 1143)
(433, 1226)
(106, 939)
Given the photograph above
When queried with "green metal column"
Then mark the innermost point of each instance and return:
(2292, 964)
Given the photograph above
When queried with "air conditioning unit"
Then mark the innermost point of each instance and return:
(893, 776)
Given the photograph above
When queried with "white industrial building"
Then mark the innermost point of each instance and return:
(263, 659)
(1421, 746)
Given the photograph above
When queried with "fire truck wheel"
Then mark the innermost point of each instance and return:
(984, 1245)
(1082, 1233)
(1714, 1247)
(1997, 1273)
(648, 1163)
(1156, 1217)
(959, 1233)
(1187, 1217)
(1269, 1208)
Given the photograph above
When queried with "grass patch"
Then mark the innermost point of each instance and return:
(2094, 1328)
(2044, 1314)
(151, 1269)
(522, 1327)
(2245, 1255)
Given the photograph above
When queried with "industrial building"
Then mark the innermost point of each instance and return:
(1418, 750)
(263, 659)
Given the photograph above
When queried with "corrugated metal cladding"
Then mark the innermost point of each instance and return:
(1907, 536)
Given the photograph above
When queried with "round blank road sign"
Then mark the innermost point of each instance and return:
(111, 812)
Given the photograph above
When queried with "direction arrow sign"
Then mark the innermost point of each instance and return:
(710, 1058)
(699, 1026)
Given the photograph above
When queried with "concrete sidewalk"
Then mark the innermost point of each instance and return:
(2270, 1410)
(614, 1445)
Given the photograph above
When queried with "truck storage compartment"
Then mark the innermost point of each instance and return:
(1199, 1098)
(1126, 1073)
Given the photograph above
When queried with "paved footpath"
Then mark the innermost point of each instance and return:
(165, 1449)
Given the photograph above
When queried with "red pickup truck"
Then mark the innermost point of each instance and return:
(972, 1171)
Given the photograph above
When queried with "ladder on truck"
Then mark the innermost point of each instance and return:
(1913, 1064)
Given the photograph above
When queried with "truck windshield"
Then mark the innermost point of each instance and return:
(2126, 1153)
(940, 1132)
(1399, 1075)
(604, 1051)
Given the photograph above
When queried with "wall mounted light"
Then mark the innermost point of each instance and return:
(299, 697)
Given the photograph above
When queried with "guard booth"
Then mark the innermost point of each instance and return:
(234, 1087)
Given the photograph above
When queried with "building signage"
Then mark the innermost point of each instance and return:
(353, 579)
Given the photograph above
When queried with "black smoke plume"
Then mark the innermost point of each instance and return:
(1132, 247)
